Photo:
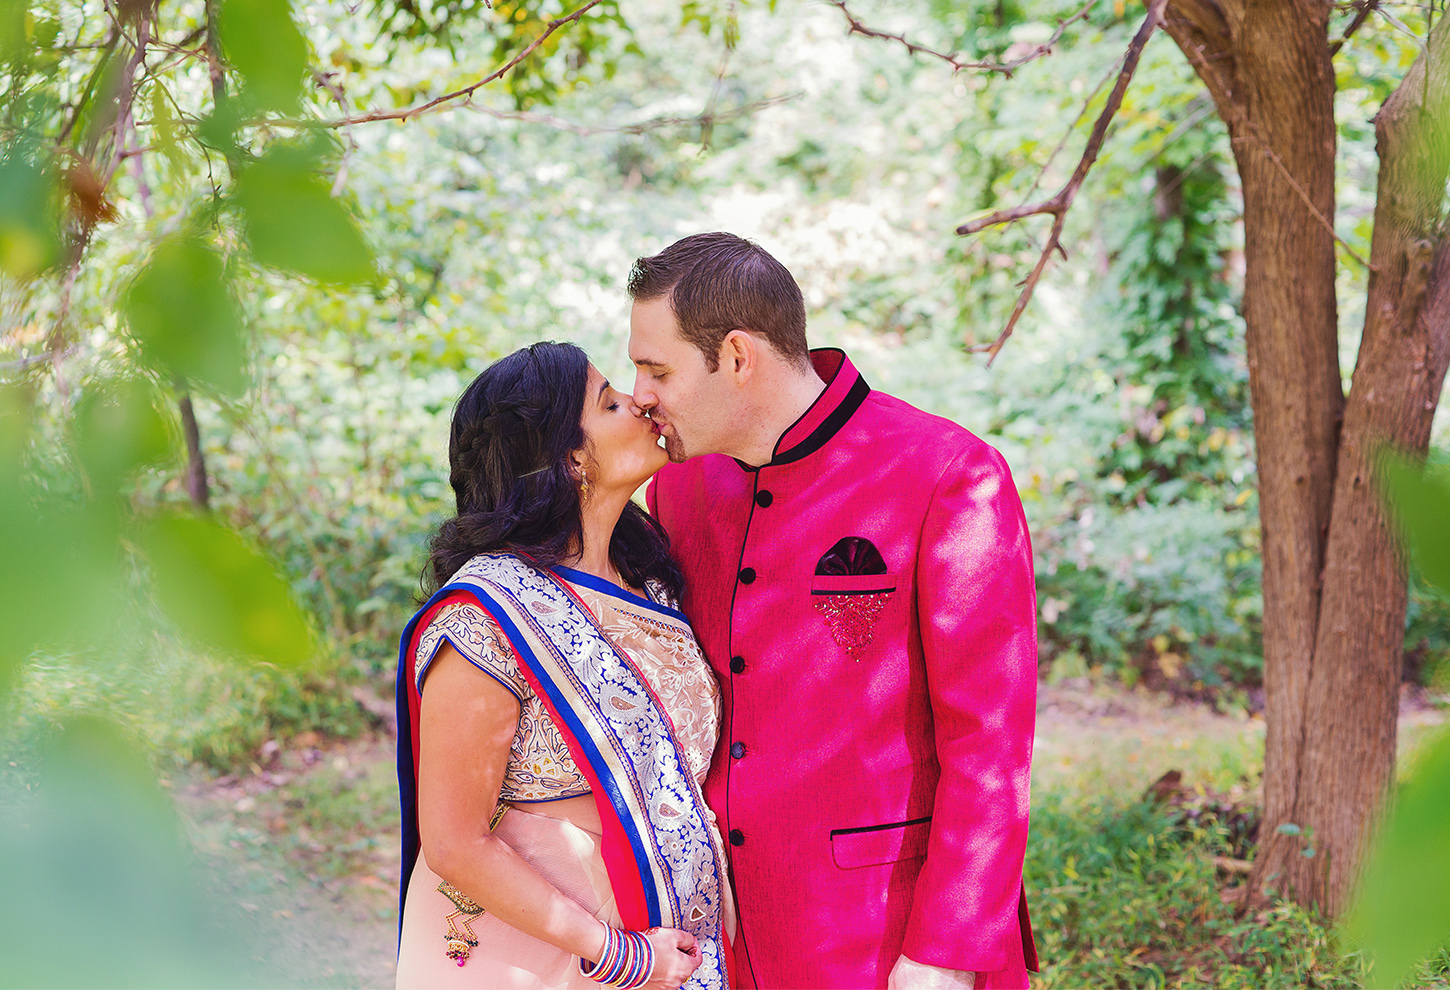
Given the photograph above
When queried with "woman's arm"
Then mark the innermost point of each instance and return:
(466, 726)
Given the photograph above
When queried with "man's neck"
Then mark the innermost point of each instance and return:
(785, 397)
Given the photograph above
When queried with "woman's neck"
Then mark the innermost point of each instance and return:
(600, 515)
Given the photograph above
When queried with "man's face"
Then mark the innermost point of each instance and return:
(690, 404)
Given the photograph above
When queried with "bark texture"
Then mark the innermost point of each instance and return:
(1334, 586)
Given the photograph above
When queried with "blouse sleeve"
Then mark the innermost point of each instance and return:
(480, 641)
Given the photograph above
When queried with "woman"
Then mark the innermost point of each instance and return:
(556, 718)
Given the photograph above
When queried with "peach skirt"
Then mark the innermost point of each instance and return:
(565, 855)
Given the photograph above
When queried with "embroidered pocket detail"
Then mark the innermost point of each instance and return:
(850, 604)
(850, 588)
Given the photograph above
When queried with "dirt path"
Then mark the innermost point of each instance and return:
(306, 846)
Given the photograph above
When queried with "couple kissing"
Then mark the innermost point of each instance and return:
(774, 732)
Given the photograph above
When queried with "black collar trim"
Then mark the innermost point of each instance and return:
(822, 434)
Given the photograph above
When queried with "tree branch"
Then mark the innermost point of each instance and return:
(654, 123)
(458, 94)
(1059, 204)
(1361, 14)
(1006, 68)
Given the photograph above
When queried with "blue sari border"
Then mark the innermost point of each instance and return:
(594, 583)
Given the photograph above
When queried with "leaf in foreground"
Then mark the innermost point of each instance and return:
(1421, 500)
(260, 38)
(294, 224)
(1403, 911)
(181, 310)
(29, 237)
(98, 889)
(222, 593)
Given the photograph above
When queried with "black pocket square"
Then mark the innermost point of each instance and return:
(852, 555)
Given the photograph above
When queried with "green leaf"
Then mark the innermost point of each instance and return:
(181, 310)
(222, 593)
(1402, 912)
(1420, 497)
(14, 39)
(55, 556)
(118, 431)
(29, 232)
(294, 224)
(99, 836)
(261, 40)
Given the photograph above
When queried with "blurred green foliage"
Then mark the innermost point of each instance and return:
(1402, 911)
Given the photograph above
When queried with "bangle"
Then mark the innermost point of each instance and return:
(627, 962)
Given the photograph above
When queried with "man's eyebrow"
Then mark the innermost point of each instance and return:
(652, 362)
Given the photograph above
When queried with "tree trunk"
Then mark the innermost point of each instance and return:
(196, 485)
(1334, 596)
(1346, 764)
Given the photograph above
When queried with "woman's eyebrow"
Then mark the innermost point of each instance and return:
(602, 387)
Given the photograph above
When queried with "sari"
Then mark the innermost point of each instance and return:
(662, 863)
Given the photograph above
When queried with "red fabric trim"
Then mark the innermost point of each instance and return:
(415, 700)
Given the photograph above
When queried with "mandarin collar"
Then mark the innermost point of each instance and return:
(845, 391)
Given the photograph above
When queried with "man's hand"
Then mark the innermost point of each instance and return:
(910, 975)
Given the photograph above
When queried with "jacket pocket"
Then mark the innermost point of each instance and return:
(873, 845)
(852, 584)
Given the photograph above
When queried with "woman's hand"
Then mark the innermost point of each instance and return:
(677, 956)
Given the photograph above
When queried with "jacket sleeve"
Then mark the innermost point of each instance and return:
(978, 619)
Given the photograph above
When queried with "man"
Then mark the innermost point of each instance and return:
(859, 575)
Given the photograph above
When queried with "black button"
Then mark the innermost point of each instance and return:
(763, 499)
(737, 837)
(737, 749)
(747, 575)
(737, 664)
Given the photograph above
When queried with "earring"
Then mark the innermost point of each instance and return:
(583, 486)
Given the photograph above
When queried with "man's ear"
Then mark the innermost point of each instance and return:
(739, 356)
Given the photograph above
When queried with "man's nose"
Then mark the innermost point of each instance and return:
(643, 396)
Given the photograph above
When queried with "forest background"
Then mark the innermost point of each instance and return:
(1121, 402)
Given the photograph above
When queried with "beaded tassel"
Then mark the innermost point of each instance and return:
(460, 942)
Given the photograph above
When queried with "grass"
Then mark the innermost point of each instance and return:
(1125, 892)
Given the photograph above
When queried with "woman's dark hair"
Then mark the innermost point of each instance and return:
(508, 458)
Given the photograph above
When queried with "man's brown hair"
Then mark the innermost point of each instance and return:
(719, 282)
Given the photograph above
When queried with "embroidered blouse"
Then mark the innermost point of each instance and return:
(540, 767)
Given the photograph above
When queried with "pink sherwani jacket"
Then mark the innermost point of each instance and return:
(874, 760)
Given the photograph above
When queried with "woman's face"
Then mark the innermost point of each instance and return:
(624, 443)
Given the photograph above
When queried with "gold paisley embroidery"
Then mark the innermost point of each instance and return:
(666, 653)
